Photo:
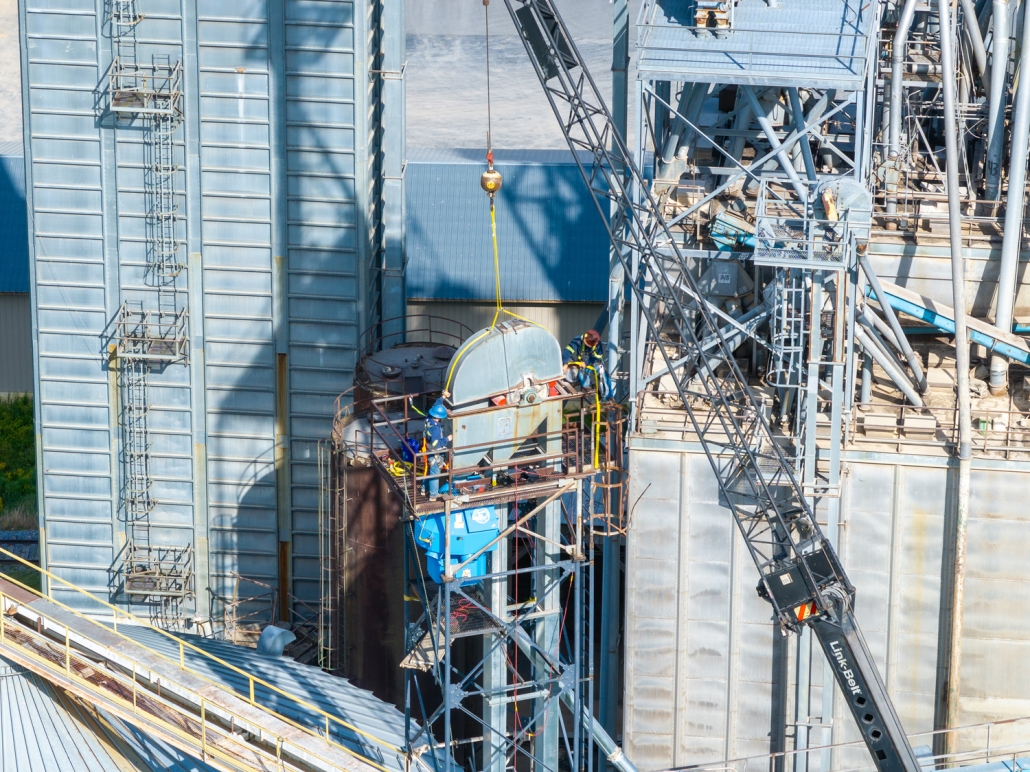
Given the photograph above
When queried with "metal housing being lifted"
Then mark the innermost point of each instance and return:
(511, 357)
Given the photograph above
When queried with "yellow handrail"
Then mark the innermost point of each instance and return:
(185, 740)
(181, 663)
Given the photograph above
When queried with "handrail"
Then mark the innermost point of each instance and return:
(252, 680)
(368, 342)
(987, 751)
(142, 707)
(945, 433)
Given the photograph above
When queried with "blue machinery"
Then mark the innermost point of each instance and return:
(498, 581)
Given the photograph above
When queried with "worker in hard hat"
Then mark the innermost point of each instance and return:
(583, 360)
(436, 441)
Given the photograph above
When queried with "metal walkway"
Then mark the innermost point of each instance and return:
(166, 697)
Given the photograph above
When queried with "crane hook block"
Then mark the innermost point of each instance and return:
(491, 181)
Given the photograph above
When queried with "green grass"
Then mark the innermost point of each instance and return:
(24, 575)
(17, 465)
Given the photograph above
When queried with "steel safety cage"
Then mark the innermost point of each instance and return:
(154, 89)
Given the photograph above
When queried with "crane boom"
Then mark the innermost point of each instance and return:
(801, 575)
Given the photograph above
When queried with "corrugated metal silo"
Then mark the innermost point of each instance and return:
(209, 187)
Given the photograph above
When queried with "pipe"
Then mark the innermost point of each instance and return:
(886, 333)
(865, 396)
(1013, 210)
(983, 16)
(958, 284)
(910, 356)
(883, 360)
(734, 181)
(693, 116)
(742, 121)
(770, 135)
(976, 41)
(884, 348)
(997, 98)
(735, 337)
(687, 97)
(799, 125)
(897, 75)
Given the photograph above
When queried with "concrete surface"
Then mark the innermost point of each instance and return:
(446, 73)
(10, 73)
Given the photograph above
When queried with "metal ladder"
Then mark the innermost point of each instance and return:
(153, 332)
(801, 575)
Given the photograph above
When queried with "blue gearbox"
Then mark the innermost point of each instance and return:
(471, 530)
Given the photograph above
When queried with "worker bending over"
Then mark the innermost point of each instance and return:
(583, 359)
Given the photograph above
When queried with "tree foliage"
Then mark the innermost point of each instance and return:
(17, 454)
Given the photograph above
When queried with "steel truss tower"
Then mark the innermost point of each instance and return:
(686, 338)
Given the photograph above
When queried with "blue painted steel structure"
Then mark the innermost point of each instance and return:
(14, 240)
(553, 243)
(274, 172)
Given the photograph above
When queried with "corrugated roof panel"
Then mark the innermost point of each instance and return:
(155, 754)
(14, 238)
(44, 729)
(552, 242)
(38, 735)
(332, 694)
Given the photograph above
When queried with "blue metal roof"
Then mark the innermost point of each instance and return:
(552, 242)
(14, 238)
(330, 693)
(44, 729)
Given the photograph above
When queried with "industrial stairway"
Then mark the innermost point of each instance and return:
(94, 659)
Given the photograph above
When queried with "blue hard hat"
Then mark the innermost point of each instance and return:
(438, 410)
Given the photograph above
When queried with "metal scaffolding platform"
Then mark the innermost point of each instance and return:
(824, 43)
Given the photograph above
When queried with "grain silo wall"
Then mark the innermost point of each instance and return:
(279, 208)
(707, 678)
